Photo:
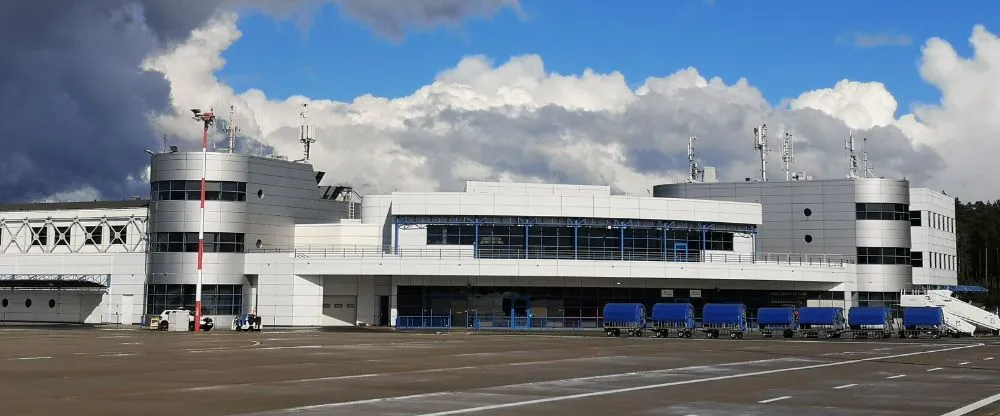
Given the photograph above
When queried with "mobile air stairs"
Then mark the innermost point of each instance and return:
(959, 317)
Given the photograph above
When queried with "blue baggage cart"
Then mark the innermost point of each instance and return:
(825, 321)
(771, 320)
(677, 317)
(870, 322)
(630, 317)
(925, 320)
(719, 318)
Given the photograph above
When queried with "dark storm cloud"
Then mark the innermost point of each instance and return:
(74, 102)
(392, 17)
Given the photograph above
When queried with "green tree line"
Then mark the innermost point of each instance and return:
(977, 227)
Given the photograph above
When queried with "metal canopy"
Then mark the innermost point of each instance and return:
(99, 282)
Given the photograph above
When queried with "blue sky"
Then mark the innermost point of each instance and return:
(782, 47)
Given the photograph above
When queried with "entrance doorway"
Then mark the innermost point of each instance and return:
(383, 311)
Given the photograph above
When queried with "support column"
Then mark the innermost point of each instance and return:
(576, 241)
(527, 234)
(475, 243)
(704, 244)
(395, 238)
(621, 241)
(666, 230)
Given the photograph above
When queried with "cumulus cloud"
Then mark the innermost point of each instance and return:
(514, 120)
(77, 109)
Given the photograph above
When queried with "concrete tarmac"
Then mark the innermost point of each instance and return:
(317, 373)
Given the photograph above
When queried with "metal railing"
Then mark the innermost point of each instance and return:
(376, 252)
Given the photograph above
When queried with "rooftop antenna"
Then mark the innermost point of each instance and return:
(207, 119)
(305, 133)
(787, 155)
(233, 129)
(692, 165)
(760, 144)
(867, 171)
(164, 143)
(853, 172)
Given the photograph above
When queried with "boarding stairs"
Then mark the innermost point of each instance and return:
(960, 316)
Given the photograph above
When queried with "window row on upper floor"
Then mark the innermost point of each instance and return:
(63, 236)
(180, 242)
(934, 220)
(191, 191)
(882, 211)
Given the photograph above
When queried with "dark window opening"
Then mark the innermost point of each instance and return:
(807, 212)
(882, 211)
(52, 303)
(915, 220)
(177, 242)
(884, 255)
(809, 238)
(191, 191)
(917, 259)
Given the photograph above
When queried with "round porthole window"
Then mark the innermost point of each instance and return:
(809, 238)
(4, 303)
(260, 243)
(52, 303)
(807, 212)
(260, 193)
(27, 303)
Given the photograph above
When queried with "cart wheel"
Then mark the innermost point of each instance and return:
(638, 333)
(739, 335)
(732, 335)
(936, 335)
(680, 334)
(687, 334)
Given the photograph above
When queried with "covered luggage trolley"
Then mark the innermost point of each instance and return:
(771, 320)
(630, 317)
(924, 320)
(718, 318)
(827, 322)
(678, 317)
(870, 322)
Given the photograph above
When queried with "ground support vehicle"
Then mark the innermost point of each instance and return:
(163, 325)
(925, 320)
(246, 322)
(724, 318)
(825, 322)
(870, 322)
(676, 317)
(628, 317)
(780, 320)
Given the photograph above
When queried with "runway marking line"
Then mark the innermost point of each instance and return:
(971, 407)
(934, 369)
(31, 358)
(963, 363)
(621, 390)
(896, 376)
(845, 386)
(987, 358)
(774, 399)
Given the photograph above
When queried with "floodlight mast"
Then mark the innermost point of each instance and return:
(207, 119)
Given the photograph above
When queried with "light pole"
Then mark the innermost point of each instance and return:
(207, 119)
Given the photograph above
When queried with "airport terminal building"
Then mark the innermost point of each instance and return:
(299, 252)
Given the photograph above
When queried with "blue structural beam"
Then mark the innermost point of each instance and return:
(966, 289)
(406, 220)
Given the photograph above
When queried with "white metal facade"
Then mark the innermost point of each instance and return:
(309, 260)
(933, 236)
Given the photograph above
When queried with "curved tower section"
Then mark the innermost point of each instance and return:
(882, 208)
(251, 203)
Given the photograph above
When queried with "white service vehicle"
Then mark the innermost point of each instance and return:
(206, 323)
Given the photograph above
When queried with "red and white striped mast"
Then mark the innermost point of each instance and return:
(208, 119)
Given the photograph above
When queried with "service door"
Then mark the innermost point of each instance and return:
(340, 310)
(126, 310)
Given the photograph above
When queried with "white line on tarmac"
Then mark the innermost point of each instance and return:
(32, 358)
(612, 391)
(896, 376)
(969, 408)
(294, 347)
(934, 369)
(963, 363)
(844, 386)
(678, 383)
(775, 399)
(987, 358)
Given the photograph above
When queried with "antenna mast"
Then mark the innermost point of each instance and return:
(787, 155)
(305, 133)
(207, 119)
(849, 145)
(864, 159)
(233, 129)
(760, 144)
(692, 165)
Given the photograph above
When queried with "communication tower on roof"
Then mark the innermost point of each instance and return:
(849, 145)
(865, 169)
(232, 129)
(305, 133)
(787, 154)
(760, 144)
(695, 174)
